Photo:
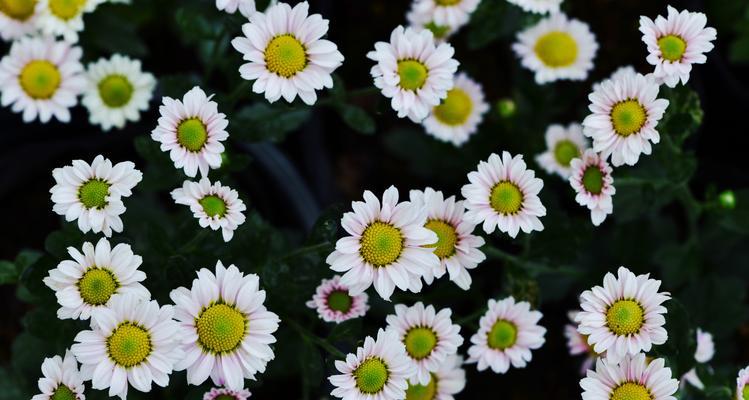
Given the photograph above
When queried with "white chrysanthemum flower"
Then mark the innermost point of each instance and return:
(591, 178)
(379, 370)
(460, 113)
(429, 336)
(413, 71)
(507, 334)
(61, 380)
(675, 43)
(117, 91)
(448, 380)
(578, 344)
(457, 247)
(133, 340)
(286, 55)
(625, 316)
(245, 7)
(626, 71)
(334, 302)
(64, 17)
(446, 13)
(226, 329)
(538, 6)
(503, 194)
(92, 194)
(227, 394)
(41, 78)
(634, 378)
(191, 131)
(214, 205)
(562, 146)
(387, 246)
(742, 389)
(624, 114)
(704, 353)
(93, 276)
(17, 18)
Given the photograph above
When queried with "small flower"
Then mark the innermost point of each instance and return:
(413, 71)
(704, 353)
(64, 17)
(742, 390)
(507, 334)
(557, 48)
(215, 206)
(634, 378)
(442, 17)
(591, 178)
(448, 380)
(578, 344)
(503, 194)
(675, 43)
(538, 6)
(334, 302)
(227, 394)
(191, 131)
(460, 113)
(17, 19)
(624, 114)
(92, 194)
(117, 91)
(562, 146)
(61, 380)
(286, 55)
(41, 78)
(245, 7)
(378, 370)
(625, 316)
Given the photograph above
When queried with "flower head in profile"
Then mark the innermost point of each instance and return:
(633, 378)
(215, 206)
(563, 144)
(460, 113)
(61, 380)
(334, 302)
(594, 186)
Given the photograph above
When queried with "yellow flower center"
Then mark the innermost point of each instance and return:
(371, 375)
(745, 393)
(422, 392)
(628, 117)
(192, 134)
(447, 2)
(63, 393)
(115, 91)
(40, 79)
(455, 109)
(93, 194)
(413, 74)
(593, 179)
(66, 9)
(556, 49)
(447, 238)
(97, 285)
(129, 345)
(20, 10)
(213, 206)
(506, 198)
(420, 342)
(631, 391)
(672, 47)
(503, 335)
(340, 301)
(381, 244)
(625, 317)
(221, 328)
(565, 151)
(285, 56)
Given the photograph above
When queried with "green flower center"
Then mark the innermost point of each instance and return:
(506, 198)
(221, 328)
(63, 393)
(285, 56)
(447, 2)
(340, 301)
(115, 91)
(40, 79)
(628, 117)
(213, 206)
(447, 238)
(420, 342)
(20, 10)
(66, 9)
(97, 285)
(565, 151)
(625, 317)
(412, 74)
(93, 194)
(455, 109)
(593, 179)
(129, 345)
(631, 391)
(225, 397)
(371, 376)
(745, 393)
(192, 134)
(503, 335)
(672, 47)
(422, 392)
(381, 244)
(556, 49)
(439, 31)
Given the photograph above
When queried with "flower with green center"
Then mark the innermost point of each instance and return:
(563, 144)
(192, 134)
(628, 117)
(565, 151)
(63, 393)
(455, 108)
(335, 303)
(557, 49)
(633, 378)
(221, 328)
(672, 47)
(413, 74)
(97, 285)
(285, 56)
(66, 9)
(625, 317)
(40, 79)
(62, 380)
(422, 392)
(506, 198)
(94, 193)
(340, 301)
(129, 345)
(213, 206)
(593, 180)
(420, 342)
(503, 335)
(447, 238)
(115, 90)
(20, 10)
(371, 376)
(381, 244)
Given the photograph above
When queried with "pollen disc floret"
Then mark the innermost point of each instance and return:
(61, 380)
(335, 303)
(507, 333)
(625, 316)
(64, 17)
(460, 113)
(633, 378)
(245, 7)
(17, 18)
(449, 379)
(226, 394)
(214, 205)
(578, 344)
(226, 331)
(563, 144)
(594, 186)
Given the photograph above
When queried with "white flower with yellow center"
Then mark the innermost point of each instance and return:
(448, 380)
(507, 334)
(538, 6)
(64, 17)
(226, 394)
(577, 344)
(388, 246)
(92, 194)
(446, 13)
(379, 370)
(117, 91)
(563, 144)
(634, 378)
(624, 115)
(191, 131)
(214, 205)
(226, 329)
(460, 113)
(503, 194)
(675, 43)
(245, 7)
(41, 78)
(93, 276)
(133, 340)
(742, 389)
(625, 316)
(61, 380)
(591, 178)
(557, 48)
(413, 71)
(334, 302)
(704, 353)
(456, 247)
(17, 18)
(286, 55)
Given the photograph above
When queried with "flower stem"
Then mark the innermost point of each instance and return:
(307, 335)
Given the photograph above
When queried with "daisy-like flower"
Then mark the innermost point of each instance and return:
(286, 55)
(245, 7)
(17, 18)
(557, 48)
(413, 71)
(93, 276)
(448, 380)
(215, 206)
(538, 6)
(419, 20)
(578, 344)
(132, 341)
(446, 13)
(226, 394)
(64, 17)
(625, 316)
(379, 370)
(456, 247)
(507, 334)
(61, 380)
(334, 302)
(562, 146)
(591, 178)
(429, 336)
(742, 390)
(503, 194)
(460, 113)
(41, 78)
(675, 43)
(704, 353)
(191, 131)
(117, 91)
(387, 246)
(634, 378)
(92, 194)
(624, 114)
(226, 330)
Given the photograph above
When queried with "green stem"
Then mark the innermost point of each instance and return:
(307, 335)
(534, 268)
(353, 94)
(468, 319)
(306, 249)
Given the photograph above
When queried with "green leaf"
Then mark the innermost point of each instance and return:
(261, 122)
(683, 115)
(356, 118)
(8, 273)
(494, 19)
(681, 344)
